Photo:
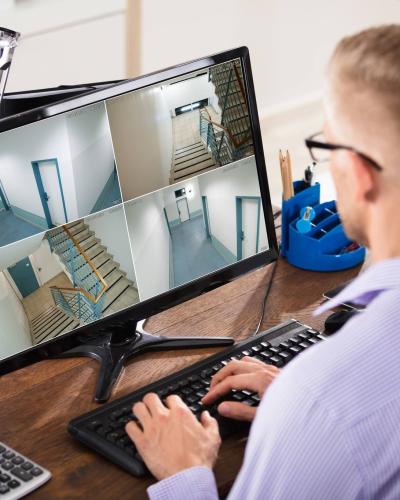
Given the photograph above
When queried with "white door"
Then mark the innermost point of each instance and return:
(249, 227)
(51, 185)
(183, 209)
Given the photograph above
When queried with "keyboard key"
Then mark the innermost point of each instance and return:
(284, 345)
(13, 484)
(259, 357)
(27, 465)
(313, 340)
(265, 344)
(256, 348)
(93, 425)
(4, 489)
(238, 396)
(7, 465)
(277, 361)
(304, 335)
(21, 474)
(8, 454)
(249, 402)
(17, 460)
(192, 399)
(246, 352)
(36, 471)
(187, 390)
(304, 344)
(295, 349)
(285, 355)
(275, 350)
(4, 478)
(2, 448)
(266, 356)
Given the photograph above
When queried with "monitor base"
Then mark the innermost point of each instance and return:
(113, 355)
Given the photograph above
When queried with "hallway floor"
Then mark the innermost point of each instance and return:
(193, 253)
(110, 196)
(13, 229)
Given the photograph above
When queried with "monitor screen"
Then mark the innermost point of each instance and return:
(122, 201)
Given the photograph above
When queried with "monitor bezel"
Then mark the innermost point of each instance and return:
(183, 293)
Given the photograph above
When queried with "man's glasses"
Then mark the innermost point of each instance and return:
(320, 150)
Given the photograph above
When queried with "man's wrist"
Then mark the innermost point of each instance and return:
(197, 482)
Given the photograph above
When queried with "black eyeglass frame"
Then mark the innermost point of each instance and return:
(311, 143)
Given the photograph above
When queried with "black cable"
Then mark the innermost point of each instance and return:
(264, 301)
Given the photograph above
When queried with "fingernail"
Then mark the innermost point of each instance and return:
(223, 408)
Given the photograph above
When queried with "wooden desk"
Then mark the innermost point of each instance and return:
(37, 402)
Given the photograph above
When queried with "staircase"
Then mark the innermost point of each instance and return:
(231, 139)
(99, 286)
(191, 160)
(50, 324)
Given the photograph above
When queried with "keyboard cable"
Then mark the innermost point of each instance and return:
(265, 298)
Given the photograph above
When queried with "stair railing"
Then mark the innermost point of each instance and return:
(85, 299)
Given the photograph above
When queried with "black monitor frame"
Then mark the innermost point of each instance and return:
(159, 303)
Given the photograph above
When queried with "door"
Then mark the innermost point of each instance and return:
(24, 277)
(206, 216)
(50, 190)
(183, 209)
(248, 226)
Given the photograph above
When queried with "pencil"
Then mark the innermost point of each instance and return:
(290, 176)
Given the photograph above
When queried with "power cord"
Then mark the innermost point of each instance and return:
(264, 301)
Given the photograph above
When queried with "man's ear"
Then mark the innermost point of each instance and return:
(363, 178)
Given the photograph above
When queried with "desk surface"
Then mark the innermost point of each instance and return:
(37, 402)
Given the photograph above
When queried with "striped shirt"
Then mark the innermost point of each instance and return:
(329, 425)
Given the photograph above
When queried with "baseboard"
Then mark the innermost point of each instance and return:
(33, 219)
(225, 253)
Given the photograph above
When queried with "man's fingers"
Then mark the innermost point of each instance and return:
(249, 359)
(209, 422)
(242, 381)
(134, 432)
(141, 412)
(154, 404)
(236, 411)
(175, 401)
(232, 368)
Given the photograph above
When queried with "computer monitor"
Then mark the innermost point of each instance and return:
(124, 201)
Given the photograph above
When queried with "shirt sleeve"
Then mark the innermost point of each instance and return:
(196, 483)
(296, 449)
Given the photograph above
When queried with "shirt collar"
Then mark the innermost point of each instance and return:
(382, 276)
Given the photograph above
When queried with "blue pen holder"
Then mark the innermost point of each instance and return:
(324, 247)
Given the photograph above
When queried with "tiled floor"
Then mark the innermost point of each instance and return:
(13, 229)
(193, 253)
(40, 300)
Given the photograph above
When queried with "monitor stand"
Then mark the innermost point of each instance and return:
(113, 349)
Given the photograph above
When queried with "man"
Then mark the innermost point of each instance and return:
(328, 427)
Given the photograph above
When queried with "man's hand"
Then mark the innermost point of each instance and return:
(247, 373)
(170, 438)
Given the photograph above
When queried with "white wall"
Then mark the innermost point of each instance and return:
(188, 91)
(14, 327)
(221, 186)
(289, 41)
(150, 244)
(193, 198)
(45, 263)
(39, 141)
(91, 154)
(110, 227)
(11, 254)
(141, 130)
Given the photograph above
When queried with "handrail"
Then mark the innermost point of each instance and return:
(239, 82)
(82, 252)
(228, 132)
(88, 295)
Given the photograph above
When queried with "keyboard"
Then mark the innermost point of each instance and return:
(19, 475)
(103, 429)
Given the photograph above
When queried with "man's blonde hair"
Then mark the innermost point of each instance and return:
(370, 61)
